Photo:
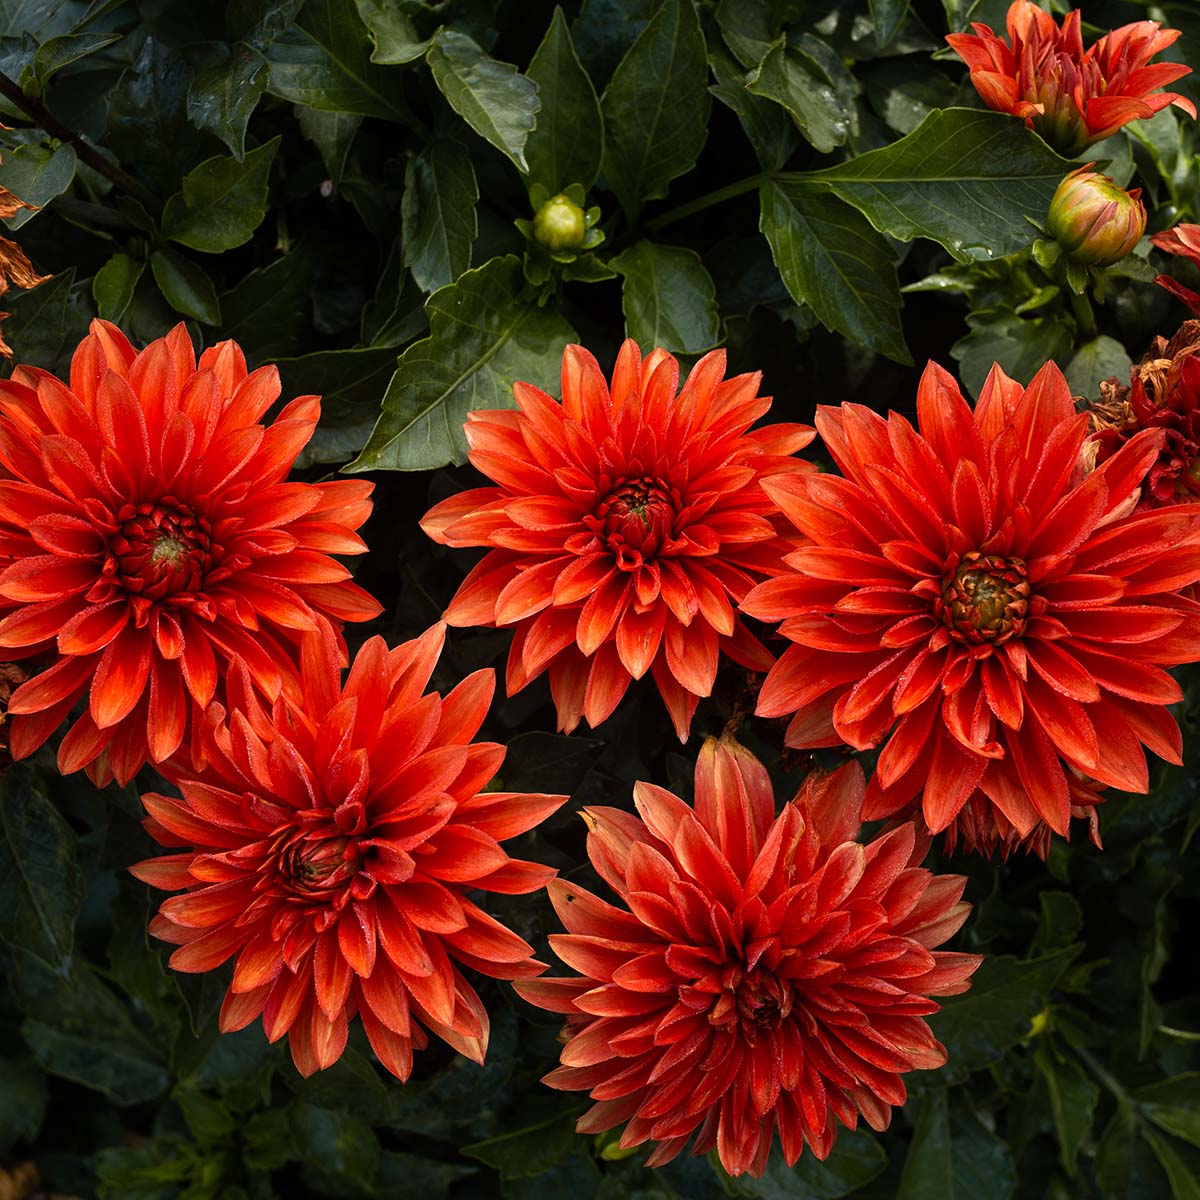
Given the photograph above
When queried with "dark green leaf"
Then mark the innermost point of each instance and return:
(36, 174)
(81, 1031)
(904, 92)
(887, 16)
(336, 1144)
(23, 1097)
(324, 61)
(136, 964)
(58, 52)
(568, 144)
(771, 131)
(40, 18)
(185, 286)
(397, 313)
(208, 1120)
(484, 336)
(268, 1140)
(1021, 345)
(222, 203)
(1125, 1164)
(668, 298)
(440, 194)
(953, 1157)
(222, 98)
(40, 884)
(604, 31)
(393, 33)
(531, 1149)
(1094, 362)
(406, 1174)
(656, 107)
(36, 327)
(1184, 1175)
(748, 27)
(856, 1159)
(832, 260)
(548, 762)
(965, 178)
(114, 284)
(350, 1085)
(259, 22)
(1006, 994)
(1174, 1105)
(796, 80)
(493, 97)
(1072, 1101)
(350, 383)
(265, 312)
(575, 1175)
(332, 133)
(151, 1171)
(1060, 922)
(147, 118)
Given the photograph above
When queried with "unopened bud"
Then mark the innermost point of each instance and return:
(1094, 221)
(560, 224)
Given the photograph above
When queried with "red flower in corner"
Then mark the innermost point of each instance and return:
(760, 972)
(969, 592)
(150, 537)
(625, 526)
(1183, 240)
(332, 845)
(1071, 96)
(1163, 393)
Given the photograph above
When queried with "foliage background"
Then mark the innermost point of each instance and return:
(335, 185)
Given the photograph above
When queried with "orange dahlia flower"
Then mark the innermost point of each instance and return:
(970, 592)
(332, 843)
(1071, 96)
(760, 973)
(149, 537)
(624, 527)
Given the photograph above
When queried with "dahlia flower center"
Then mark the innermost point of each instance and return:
(159, 550)
(315, 864)
(751, 1001)
(635, 519)
(985, 598)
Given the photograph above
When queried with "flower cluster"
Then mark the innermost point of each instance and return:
(992, 597)
(1071, 96)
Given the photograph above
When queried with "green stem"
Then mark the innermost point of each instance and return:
(1097, 1069)
(1082, 310)
(708, 200)
(86, 152)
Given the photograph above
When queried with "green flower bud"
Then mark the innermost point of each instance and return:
(560, 224)
(1095, 222)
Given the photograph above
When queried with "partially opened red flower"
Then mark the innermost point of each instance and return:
(1071, 96)
(332, 843)
(625, 526)
(149, 536)
(1183, 240)
(969, 592)
(760, 973)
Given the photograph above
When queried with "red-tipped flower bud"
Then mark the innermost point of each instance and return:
(1094, 221)
(560, 224)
